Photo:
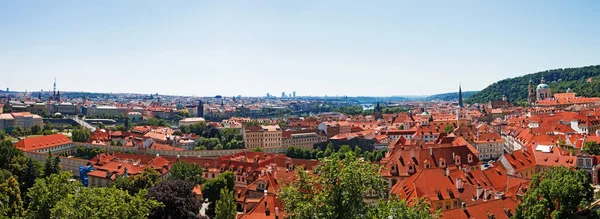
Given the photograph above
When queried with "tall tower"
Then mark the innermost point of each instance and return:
(54, 90)
(378, 112)
(460, 98)
(200, 109)
(531, 95)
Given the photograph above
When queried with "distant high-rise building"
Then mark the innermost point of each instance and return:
(268, 95)
(7, 89)
(200, 109)
(282, 94)
(294, 94)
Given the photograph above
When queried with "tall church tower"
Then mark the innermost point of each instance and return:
(531, 97)
(460, 98)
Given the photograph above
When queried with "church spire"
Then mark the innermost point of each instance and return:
(460, 98)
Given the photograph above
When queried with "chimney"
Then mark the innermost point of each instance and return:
(276, 213)
(479, 190)
(464, 206)
(459, 184)
(265, 191)
(267, 211)
(430, 151)
(485, 194)
(447, 171)
(412, 153)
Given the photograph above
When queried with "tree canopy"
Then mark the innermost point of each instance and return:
(47, 192)
(591, 147)
(190, 172)
(81, 134)
(104, 203)
(212, 189)
(147, 179)
(337, 190)
(556, 193)
(226, 208)
(177, 198)
(559, 80)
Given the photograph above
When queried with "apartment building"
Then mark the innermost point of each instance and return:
(265, 136)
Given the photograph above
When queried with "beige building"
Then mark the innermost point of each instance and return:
(489, 145)
(191, 121)
(23, 120)
(265, 136)
(302, 138)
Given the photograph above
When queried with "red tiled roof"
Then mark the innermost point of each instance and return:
(42, 142)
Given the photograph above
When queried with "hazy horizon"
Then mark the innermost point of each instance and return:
(316, 48)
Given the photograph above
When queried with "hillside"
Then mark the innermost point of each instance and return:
(559, 80)
(450, 96)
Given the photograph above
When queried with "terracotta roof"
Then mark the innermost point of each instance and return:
(42, 142)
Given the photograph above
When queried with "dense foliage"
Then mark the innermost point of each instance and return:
(81, 134)
(226, 208)
(450, 96)
(591, 148)
(213, 139)
(147, 179)
(308, 153)
(211, 190)
(336, 190)
(556, 193)
(104, 203)
(559, 80)
(190, 172)
(177, 198)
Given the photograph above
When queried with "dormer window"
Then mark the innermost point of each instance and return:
(411, 168)
(393, 168)
(261, 185)
(442, 163)
(470, 158)
(426, 165)
(457, 160)
(291, 167)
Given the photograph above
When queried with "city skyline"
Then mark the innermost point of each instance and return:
(314, 48)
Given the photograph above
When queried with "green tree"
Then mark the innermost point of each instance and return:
(591, 147)
(225, 207)
(81, 134)
(178, 200)
(119, 143)
(31, 173)
(336, 190)
(448, 129)
(51, 165)
(46, 192)
(556, 193)
(101, 125)
(212, 188)
(10, 197)
(147, 179)
(8, 154)
(190, 172)
(36, 130)
(18, 131)
(258, 149)
(209, 143)
(329, 149)
(104, 203)
(397, 209)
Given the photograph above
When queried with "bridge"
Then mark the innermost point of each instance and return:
(83, 123)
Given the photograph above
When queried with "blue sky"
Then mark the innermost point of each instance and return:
(249, 48)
